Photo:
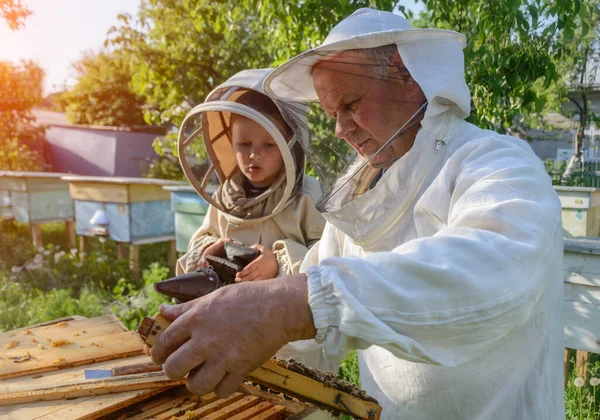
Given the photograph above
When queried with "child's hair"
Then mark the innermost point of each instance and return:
(263, 104)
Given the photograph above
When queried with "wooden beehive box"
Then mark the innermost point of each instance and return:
(189, 210)
(35, 197)
(248, 403)
(582, 294)
(138, 209)
(580, 210)
(581, 269)
(51, 383)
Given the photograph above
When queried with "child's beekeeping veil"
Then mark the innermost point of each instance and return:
(434, 59)
(206, 131)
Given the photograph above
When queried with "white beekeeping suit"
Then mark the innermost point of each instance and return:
(447, 274)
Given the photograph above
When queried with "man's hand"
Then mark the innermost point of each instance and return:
(222, 337)
(264, 267)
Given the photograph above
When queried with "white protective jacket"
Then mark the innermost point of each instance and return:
(447, 275)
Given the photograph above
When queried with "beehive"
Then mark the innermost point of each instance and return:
(138, 210)
(36, 198)
(189, 210)
(580, 210)
(249, 402)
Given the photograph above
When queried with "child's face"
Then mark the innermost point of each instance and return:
(256, 153)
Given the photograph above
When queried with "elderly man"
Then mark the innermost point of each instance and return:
(441, 259)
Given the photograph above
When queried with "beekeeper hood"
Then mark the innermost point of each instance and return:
(434, 59)
(206, 132)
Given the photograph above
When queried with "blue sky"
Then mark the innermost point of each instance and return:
(60, 30)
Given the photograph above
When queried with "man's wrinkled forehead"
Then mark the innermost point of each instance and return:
(370, 63)
(346, 57)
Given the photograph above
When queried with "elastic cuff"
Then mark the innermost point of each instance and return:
(194, 255)
(322, 303)
(282, 261)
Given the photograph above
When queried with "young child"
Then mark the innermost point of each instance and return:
(265, 199)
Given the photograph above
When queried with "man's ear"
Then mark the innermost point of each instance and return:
(396, 61)
(398, 66)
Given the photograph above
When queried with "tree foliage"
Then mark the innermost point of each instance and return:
(512, 50)
(184, 49)
(103, 93)
(14, 13)
(580, 68)
(20, 91)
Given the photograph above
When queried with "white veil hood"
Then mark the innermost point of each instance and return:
(434, 58)
(208, 124)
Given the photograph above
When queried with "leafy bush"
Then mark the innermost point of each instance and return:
(53, 268)
(131, 304)
(580, 395)
(38, 285)
(23, 305)
(349, 368)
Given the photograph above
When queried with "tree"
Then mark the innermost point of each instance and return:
(183, 50)
(295, 26)
(511, 54)
(186, 48)
(20, 91)
(103, 93)
(580, 69)
(14, 13)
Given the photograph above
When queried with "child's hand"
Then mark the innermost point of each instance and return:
(216, 250)
(262, 268)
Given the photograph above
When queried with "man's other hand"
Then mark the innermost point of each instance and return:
(222, 337)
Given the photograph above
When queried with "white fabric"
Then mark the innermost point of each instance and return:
(432, 56)
(458, 306)
(447, 275)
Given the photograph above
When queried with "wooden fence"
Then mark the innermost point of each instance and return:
(582, 301)
(587, 175)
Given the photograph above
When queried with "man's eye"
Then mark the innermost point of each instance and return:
(271, 145)
(353, 105)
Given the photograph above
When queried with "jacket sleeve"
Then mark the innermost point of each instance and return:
(206, 235)
(309, 352)
(291, 253)
(449, 298)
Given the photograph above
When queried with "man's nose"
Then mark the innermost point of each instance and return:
(344, 124)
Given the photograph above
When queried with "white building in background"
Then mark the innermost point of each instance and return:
(560, 144)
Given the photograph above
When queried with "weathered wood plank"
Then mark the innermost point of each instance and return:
(232, 409)
(86, 388)
(101, 192)
(141, 192)
(212, 407)
(80, 352)
(252, 412)
(273, 413)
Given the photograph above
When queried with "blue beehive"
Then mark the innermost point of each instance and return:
(35, 197)
(189, 209)
(138, 210)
